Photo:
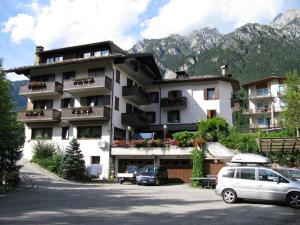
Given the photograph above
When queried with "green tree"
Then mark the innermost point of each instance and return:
(291, 115)
(73, 166)
(11, 137)
(213, 129)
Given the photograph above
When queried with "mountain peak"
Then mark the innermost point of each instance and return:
(285, 18)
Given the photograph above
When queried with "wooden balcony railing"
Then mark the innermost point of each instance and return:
(180, 102)
(41, 88)
(86, 113)
(39, 115)
(136, 94)
(258, 111)
(87, 84)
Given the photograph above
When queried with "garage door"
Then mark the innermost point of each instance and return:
(123, 163)
(212, 168)
(179, 170)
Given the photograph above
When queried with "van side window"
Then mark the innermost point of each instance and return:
(267, 175)
(229, 173)
(246, 173)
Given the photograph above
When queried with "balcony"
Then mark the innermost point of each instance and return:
(134, 120)
(257, 111)
(86, 113)
(261, 94)
(88, 85)
(39, 116)
(41, 89)
(173, 103)
(136, 94)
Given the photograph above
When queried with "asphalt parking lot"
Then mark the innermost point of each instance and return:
(45, 199)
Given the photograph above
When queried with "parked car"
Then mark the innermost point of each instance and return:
(129, 175)
(289, 172)
(155, 175)
(256, 182)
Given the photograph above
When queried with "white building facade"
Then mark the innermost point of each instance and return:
(265, 102)
(98, 93)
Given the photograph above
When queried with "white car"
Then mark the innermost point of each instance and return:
(257, 182)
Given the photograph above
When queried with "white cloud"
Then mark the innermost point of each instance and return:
(71, 22)
(181, 16)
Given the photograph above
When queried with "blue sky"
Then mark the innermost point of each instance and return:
(58, 23)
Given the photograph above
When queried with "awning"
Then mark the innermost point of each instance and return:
(279, 145)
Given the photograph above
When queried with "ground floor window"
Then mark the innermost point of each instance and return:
(95, 160)
(174, 116)
(44, 133)
(65, 133)
(89, 132)
(211, 114)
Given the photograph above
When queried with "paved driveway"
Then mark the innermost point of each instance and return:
(45, 199)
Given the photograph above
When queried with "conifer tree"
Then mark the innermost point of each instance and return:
(11, 137)
(73, 166)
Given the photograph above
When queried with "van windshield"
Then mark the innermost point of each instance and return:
(286, 173)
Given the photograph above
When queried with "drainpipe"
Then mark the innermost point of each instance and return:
(111, 112)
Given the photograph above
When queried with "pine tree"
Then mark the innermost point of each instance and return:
(11, 137)
(73, 166)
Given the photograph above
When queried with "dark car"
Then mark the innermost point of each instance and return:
(154, 175)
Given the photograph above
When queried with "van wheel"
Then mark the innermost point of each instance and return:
(229, 196)
(293, 199)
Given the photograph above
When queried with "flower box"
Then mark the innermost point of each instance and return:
(82, 110)
(36, 85)
(34, 112)
(83, 80)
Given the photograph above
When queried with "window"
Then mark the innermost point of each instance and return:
(67, 103)
(95, 100)
(174, 116)
(282, 103)
(129, 108)
(174, 94)
(211, 114)
(246, 173)
(262, 105)
(262, 92)
(229, 173)
(65, 133)
(129, 82)
(43, 104)
(263, 121)
(211, 94)
(95, 160)
(118, 75)
(96, 72)
(68, 75)
(54, 59)
(117, 103)
(119, 134)
(154, 97)
(87, 55)
(44, 78)
(89, 132)
(45, 133)
(281, 89)
(267, 175)
(150, 117)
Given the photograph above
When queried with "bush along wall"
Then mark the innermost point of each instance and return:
(198, 157)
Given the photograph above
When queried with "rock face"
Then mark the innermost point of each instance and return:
(284, 19)
(252, 50)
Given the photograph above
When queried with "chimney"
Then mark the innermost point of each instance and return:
(38, 50)
(225, 70)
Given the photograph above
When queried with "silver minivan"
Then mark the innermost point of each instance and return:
(251, 182)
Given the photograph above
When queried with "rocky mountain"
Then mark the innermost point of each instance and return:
(252, 51)
(18, 101)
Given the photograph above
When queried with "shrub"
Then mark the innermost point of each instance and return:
(185, 138)
(52, 163)
(213, 129)
(43, 149)
(197, 156)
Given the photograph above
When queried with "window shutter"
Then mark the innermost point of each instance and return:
(216, 93)
(205, 94)
(208, 114)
